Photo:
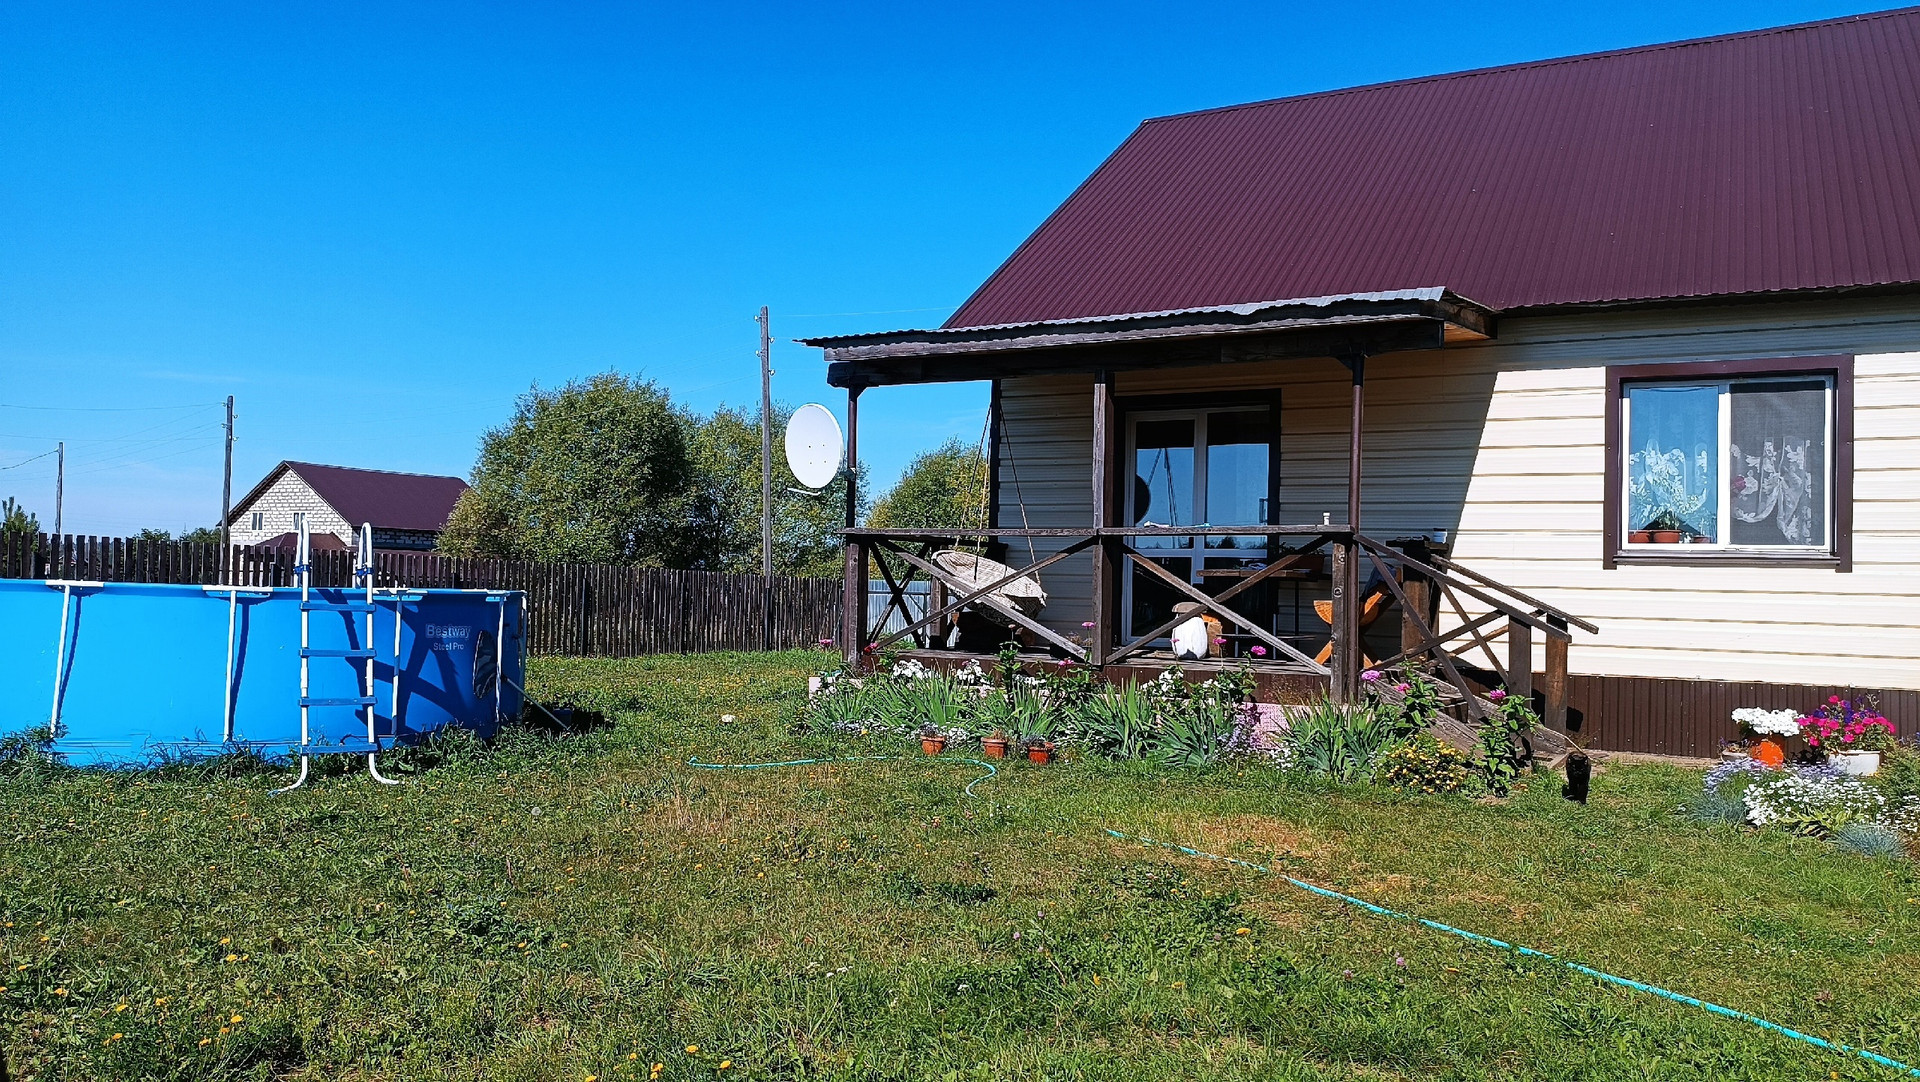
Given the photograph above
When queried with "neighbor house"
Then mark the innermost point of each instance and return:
(407, 510)
(1598, 376)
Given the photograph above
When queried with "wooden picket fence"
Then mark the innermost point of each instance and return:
(604, 610)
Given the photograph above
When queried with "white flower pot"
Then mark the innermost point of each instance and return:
(1858, 763)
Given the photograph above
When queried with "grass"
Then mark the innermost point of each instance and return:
(559, 908)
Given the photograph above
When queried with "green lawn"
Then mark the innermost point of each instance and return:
(553, 909)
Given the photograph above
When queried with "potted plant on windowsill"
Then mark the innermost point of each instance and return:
(1767, 732)
(1853, 737)
(1665, 529)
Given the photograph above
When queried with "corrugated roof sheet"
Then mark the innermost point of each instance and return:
(393, 501)
(1785, 159)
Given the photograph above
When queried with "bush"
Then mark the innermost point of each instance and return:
(1117, 723)
(1345, 743)
(1869, 839)
(1427, 766)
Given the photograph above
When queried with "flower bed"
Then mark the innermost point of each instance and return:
(1172, 720)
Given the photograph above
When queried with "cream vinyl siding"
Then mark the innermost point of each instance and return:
(1503, 445)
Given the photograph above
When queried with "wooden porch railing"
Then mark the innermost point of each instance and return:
(1429, 588)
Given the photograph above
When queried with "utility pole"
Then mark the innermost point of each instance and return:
(766, 481)
(226, 496)
(59, 487)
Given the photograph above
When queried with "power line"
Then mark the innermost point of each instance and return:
(111, 409)
(35, 458)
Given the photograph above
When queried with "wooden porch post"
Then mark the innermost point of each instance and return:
(1346, 555)
(853, 597)
(1556, 677)
(1105, 422)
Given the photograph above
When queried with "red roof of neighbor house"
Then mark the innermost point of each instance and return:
(1783, 159)
(393, 501)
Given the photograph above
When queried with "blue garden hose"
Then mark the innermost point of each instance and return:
(1394, 914)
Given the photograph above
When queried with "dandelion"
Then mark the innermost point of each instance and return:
(226, 939)
(693, 1050)
(236, 1019)
(59, 991)
(1243, 931)
(205, 1041)
(592, 1078)
(654, 1072)
(120, 1008)
(236, 958)
(725, 1063)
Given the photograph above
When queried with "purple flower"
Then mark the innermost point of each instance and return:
(1086, 623)
(826, 642)
(1016, 935)
(1258, 651)
(1219, 640)
(1399, 961)
(1496, 695)
(1371, 676)
(1403, 688)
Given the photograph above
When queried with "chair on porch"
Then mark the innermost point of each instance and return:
(1375, 600)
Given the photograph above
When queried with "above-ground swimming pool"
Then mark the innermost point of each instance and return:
(127, 674)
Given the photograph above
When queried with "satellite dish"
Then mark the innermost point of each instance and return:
(814, 446)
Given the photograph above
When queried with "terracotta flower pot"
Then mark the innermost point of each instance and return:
(995, 746)
(1770, 750)
(1666, 537)
(1040, 752)
(1639, 537)
(933, 745)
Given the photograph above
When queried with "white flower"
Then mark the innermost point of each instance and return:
(910, 669)
(1767, 722)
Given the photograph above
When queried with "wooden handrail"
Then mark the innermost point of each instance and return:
(1528, 616)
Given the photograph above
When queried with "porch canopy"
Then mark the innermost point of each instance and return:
(1348, 325)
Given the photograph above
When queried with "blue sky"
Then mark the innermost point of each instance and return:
(376, 225)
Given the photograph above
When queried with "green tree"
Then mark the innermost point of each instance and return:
(944, 488)
(202, 535)
(17, 519)
(597, 471)
(725, 504)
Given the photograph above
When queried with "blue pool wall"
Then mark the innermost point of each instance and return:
(145, 670)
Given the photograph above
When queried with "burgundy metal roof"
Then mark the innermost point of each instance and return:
(1784, 159)
(393, 501)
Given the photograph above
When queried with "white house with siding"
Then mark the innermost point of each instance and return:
(1625, 346)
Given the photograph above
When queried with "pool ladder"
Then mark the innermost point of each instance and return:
(364, 702)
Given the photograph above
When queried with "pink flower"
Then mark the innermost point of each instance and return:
(1834, 699)
(1496, 695)
(1219, 640)
(1371, 676)
(826, 642)
(1403, 688)
(1258, 651)
(1086, 623)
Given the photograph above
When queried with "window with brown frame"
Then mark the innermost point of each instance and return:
(1733, 462)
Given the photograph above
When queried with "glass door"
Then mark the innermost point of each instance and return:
(1195, 468)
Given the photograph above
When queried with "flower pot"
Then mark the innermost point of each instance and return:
(1639, 537)
(1770, 750)
(1666, 537)
(1040, 751)
(933, 745)
(995, 746)
(1699, 540)
(1858, 763)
